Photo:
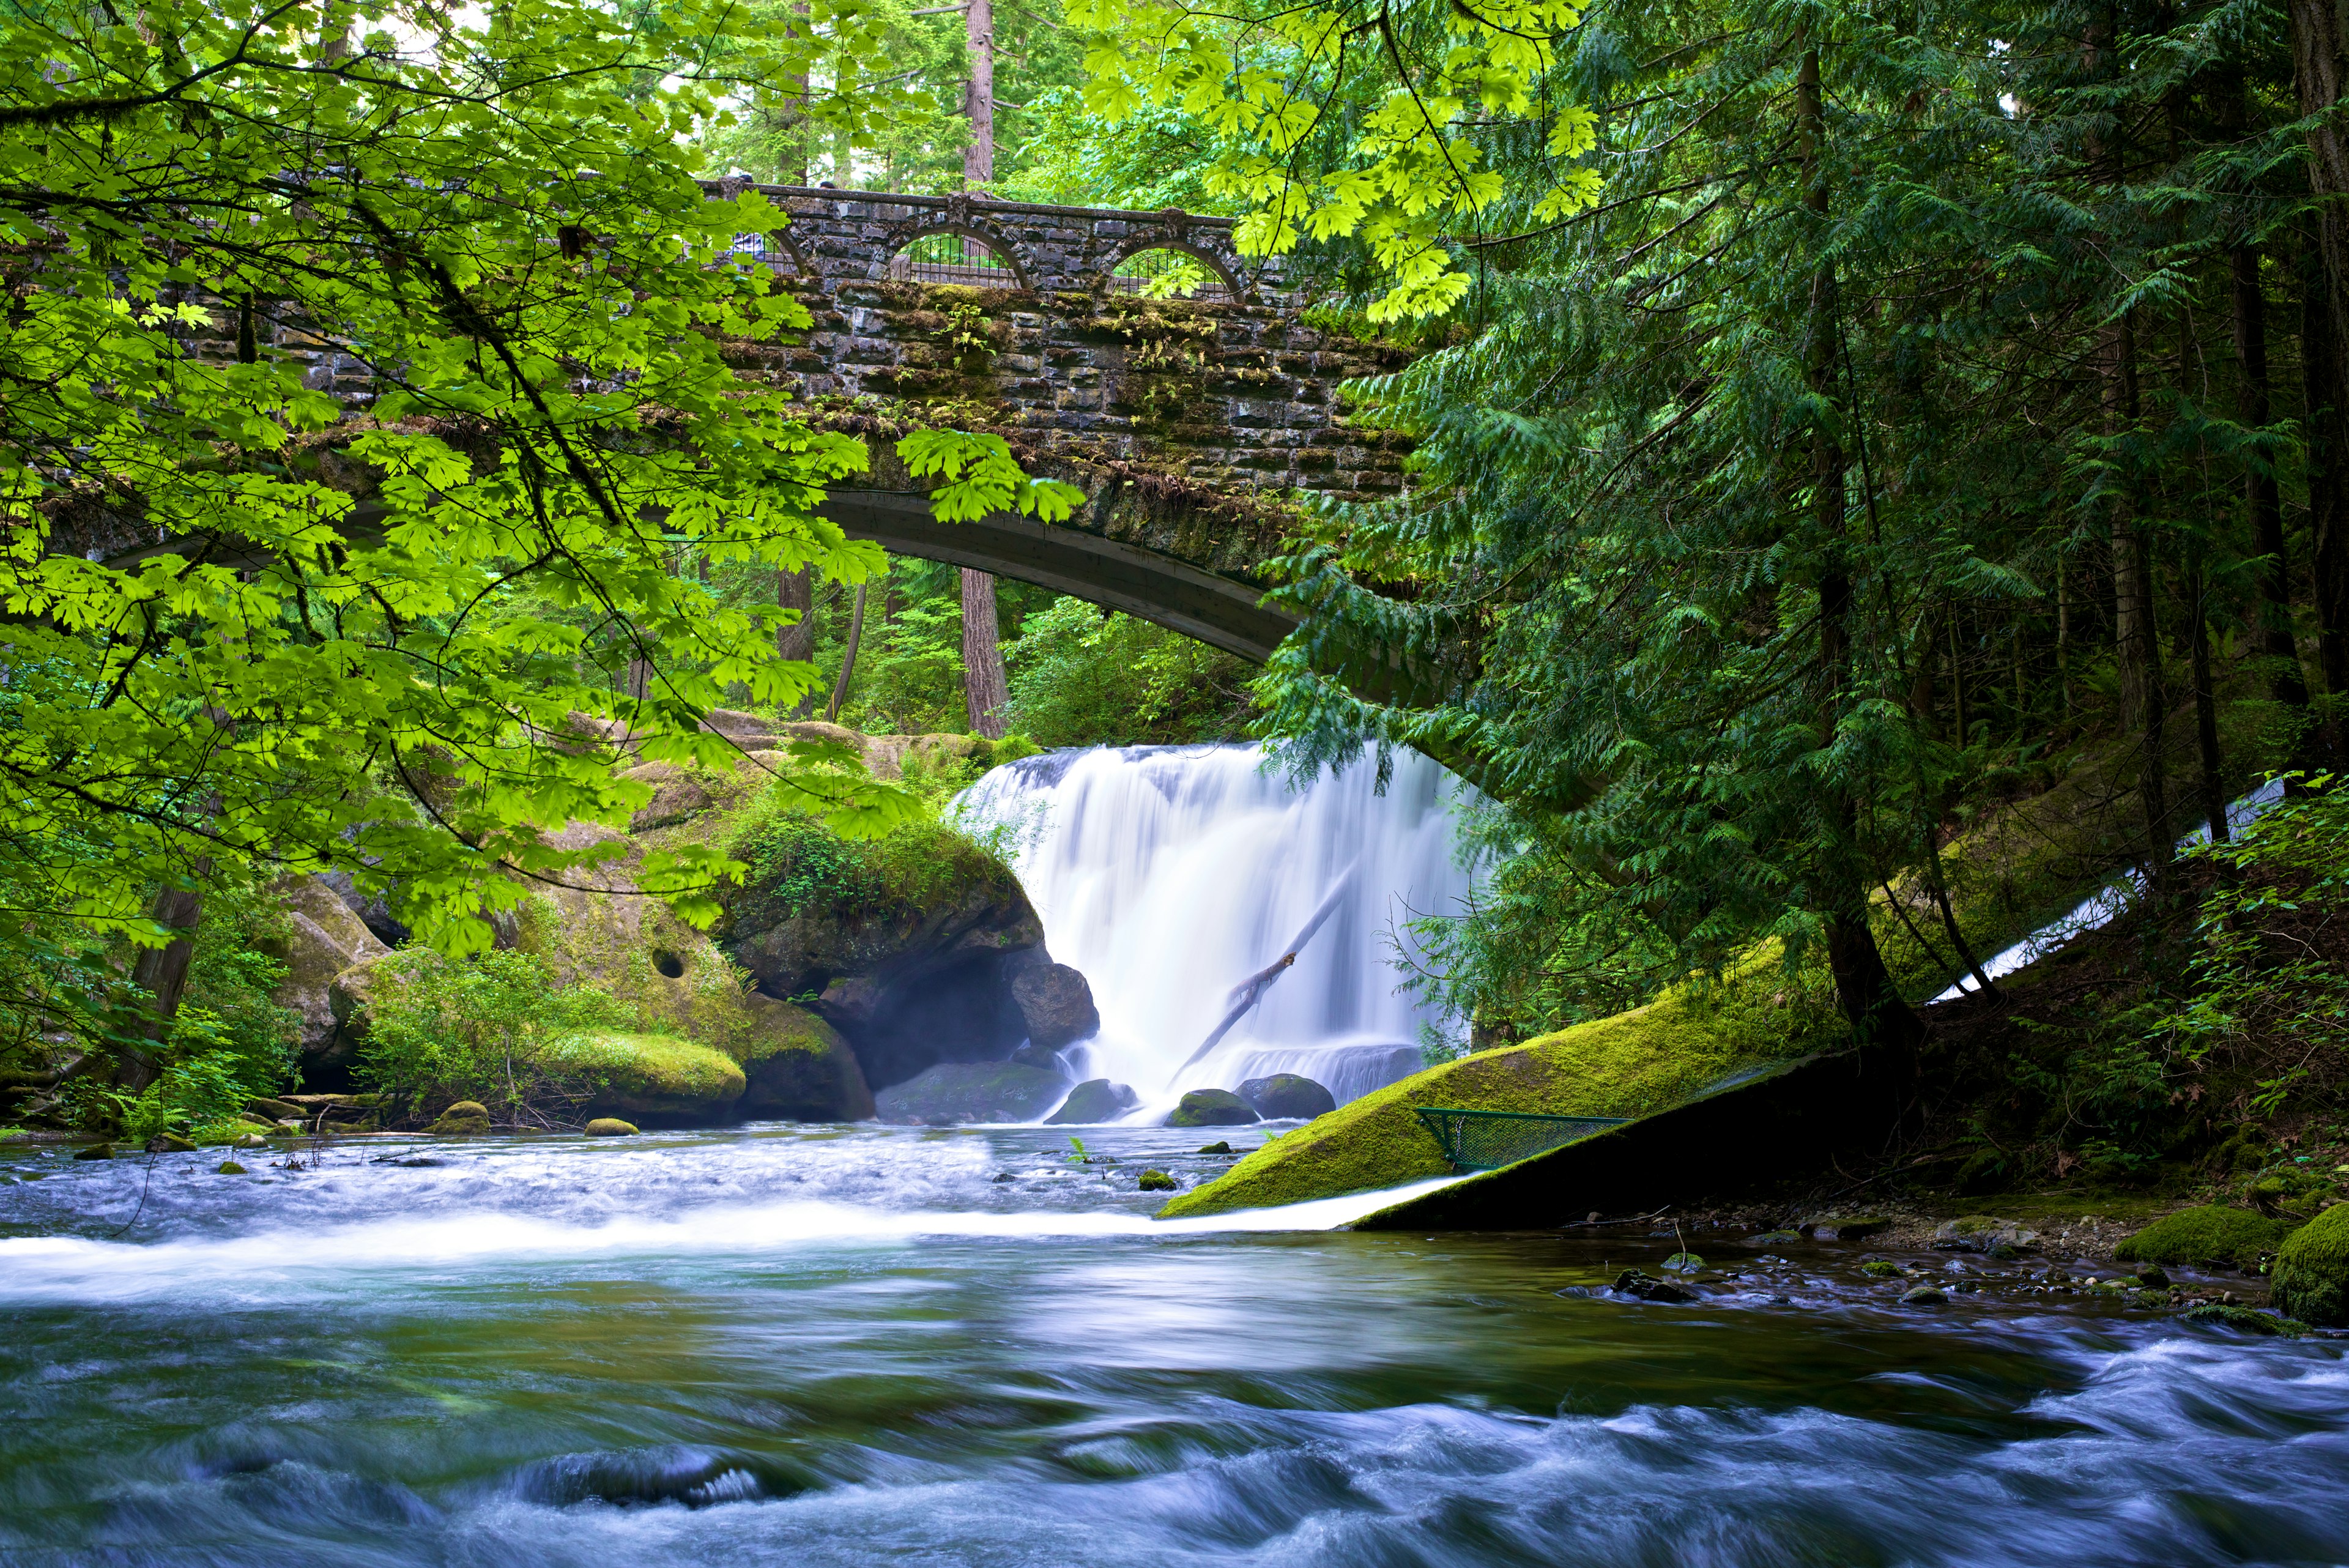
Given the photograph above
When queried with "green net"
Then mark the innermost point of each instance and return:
(1487, 1140)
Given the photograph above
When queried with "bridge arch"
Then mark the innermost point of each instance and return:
(1225, 280)
(898, 259)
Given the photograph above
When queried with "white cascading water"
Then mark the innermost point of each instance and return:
(1168, 876)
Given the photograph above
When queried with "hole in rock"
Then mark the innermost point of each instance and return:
(669, 964)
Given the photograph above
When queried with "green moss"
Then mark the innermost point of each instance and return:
(798, 867)
(2206, 1234)
(1627, 1066)
(2311, 1277)
(661, 1071)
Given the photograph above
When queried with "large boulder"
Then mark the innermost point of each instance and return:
(1092, 1101)
(1054, 1000)
(954, 1092)
(1286, 1096)
(1211, 1109)
(322, 938)
(2310, 1280)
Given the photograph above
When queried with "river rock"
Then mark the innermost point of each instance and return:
(1844, 1227)
(230, 1167)
(465, 1117)
(1925, 1295)
(1648, 1288)
(96, 1151)
(956, 1092)
(1286, 1096)
(1094, 1100)
(609, 1127)
(1157, 1181)
(1211, 1109)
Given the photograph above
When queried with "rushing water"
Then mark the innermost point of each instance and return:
(1169, 874)
(790, 1345)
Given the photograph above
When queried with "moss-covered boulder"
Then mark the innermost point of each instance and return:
(957, 1092)
(1211, 1108)
(609, 1127)
(2208, 1235)
(466, 1117)
(662, 1079)
(1288, 1096)
(2310, 1280)
(1621, 1066)
(1093, 1101)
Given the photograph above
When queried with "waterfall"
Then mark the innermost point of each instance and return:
(1169, 875)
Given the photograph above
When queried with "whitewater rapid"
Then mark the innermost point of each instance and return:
(1168, 876)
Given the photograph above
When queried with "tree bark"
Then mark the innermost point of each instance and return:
(1864, 986)
(2135, 643)
(163, 974)
(978, 96)
(2209, 774)
(2261, 497)
(2317, 75)
(847, 657)
(986, 689)
(796, 591)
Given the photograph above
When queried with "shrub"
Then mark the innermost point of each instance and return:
(494, 1029)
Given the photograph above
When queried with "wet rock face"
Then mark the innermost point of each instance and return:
(324, 938)
(956, 1092)
(1287, 1095)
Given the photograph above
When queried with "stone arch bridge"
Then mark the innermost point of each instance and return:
(1185, 421)
(1182, 418)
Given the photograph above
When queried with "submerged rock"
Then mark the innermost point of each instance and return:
(1157, 1181)
(230, 1167)
(1287, 1095)
(1648, 1288)
(1211, 1109)
(96, 1151)
(465, 1117)
(609, 1127)
(2242, 1319)
(1925, 1295)
(2206, 1234)
(1224, 1147)
(1094, 1100)
(2311, 1277)
(956, 1092)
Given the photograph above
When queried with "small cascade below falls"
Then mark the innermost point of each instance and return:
(1174, 876)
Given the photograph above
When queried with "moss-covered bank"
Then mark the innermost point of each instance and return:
(1628, 1065)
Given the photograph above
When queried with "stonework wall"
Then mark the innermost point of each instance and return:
(1237, 393)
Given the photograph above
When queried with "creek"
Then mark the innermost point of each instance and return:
(785, 1344)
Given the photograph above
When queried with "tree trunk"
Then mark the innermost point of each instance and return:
(847, 657)
(796, 591)
(163, 974)
(791, 167)
(2316, 74)
(1864, 988)
(985, 690)
(979, 96)
(2260, 495)
(2209, 774)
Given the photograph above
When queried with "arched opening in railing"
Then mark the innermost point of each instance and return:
(949, 257)
(772, 251)
(1164, 273)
